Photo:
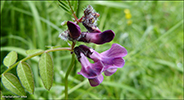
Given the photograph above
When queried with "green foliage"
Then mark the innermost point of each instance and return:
(33, 51)
(46, 70)
(10, 59)
(26, 77)
(12, 83)
(154, 41)
(64, 6)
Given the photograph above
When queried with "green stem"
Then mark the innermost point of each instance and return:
(67, 74)
(73, 13)
(36, 54)
(69, 70)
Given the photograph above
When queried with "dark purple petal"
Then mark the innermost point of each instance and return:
(85, 50)
(74, 29)
(92, 28)
(77, 52)
(98, 38)
(96, 81)
(90, 70)
(101, 38)
(110, 71)
(115, 51)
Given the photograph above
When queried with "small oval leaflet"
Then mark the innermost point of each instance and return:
(12, 83)
(46, 70)
(10, 59)
(26, 77)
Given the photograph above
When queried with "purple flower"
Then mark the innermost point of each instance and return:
(97, 38)
(89, 20)
(90, 71)
(74, 33)
(112, 58)
(74, 30)
(107, 62)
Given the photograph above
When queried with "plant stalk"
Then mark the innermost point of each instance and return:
(69, 70)
(30, 56)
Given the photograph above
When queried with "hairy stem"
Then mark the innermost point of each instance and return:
(30, 56)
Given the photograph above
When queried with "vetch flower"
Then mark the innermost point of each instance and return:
(89, 70)
(74, 30)
(97, 38)
(72, 33)
(89, 20)
(107, 62)
(112, 58)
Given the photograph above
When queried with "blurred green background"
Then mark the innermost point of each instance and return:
(151, 31)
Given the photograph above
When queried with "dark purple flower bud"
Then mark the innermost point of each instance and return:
(74, 30)
(97, 38)
(88, 10)
(89, 20)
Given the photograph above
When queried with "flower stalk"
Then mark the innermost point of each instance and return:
(69, 70)
(67, 74)
(36, 54)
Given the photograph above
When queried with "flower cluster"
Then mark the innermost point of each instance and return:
(107, 61)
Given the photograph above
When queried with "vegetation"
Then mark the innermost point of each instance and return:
(151, 31)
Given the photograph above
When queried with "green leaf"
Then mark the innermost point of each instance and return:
(12, 83)
(33, 51)
(19, 51)
(26, 77)
(10, 59)
(46, 70)
(64, 6)
(74, 4)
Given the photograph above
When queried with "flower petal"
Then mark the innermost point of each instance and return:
(92, 28)
(97, 38)
(113, 63)
(110, 71)
(74, 29)
(85, 50)
(115, 51)
(96, 81)
(90, 70)
(101, 38)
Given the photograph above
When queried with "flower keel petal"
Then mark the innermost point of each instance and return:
(96, 81)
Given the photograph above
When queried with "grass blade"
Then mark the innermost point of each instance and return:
(38, 25)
